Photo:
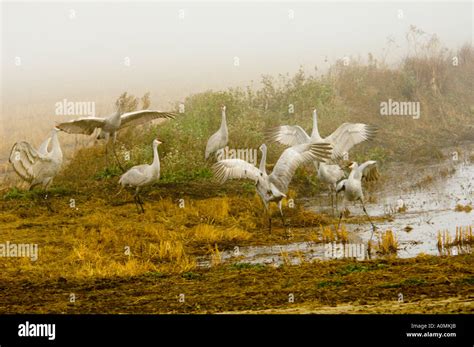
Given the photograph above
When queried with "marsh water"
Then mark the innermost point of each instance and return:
(418, 201)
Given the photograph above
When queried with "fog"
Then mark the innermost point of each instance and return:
(94, 51)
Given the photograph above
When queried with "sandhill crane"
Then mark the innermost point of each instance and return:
(272, 187)
(330, 174)
(352, 186)
(219, 139)
(38, 167)
(346, 136)
(110, 125)
(140, 176)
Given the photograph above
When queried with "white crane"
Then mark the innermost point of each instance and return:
(352, 186)
(346, 136)
(110, 125)
(272, 187)
(330, 174)
(219, 139)
(140, 176)
(38, 167)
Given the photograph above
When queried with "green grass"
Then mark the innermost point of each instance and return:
(108, 172)
(408, 282)
(351, 268)
(350, 93)
(37, 193)
(335, 283)
(191, 275)
(246, 266)
(467, 280)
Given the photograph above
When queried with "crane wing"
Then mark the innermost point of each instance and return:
(288, 135)
(368, 171)
(217, 141)
(143, 116)
(348, 135)
(235, 169)
(23, 158)
(133, 177)
(295, 156)
(82, 125)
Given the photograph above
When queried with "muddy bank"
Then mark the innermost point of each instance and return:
(401, 285)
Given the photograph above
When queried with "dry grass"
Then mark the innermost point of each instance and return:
(328, 234)
(460, 208)
(461, 243)
(205, 233)
(107, 238)
(387, 244)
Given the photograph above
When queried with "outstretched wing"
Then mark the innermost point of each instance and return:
(23, 158)
(348, 135)
(288, 135)
(368, 171)
(295, 156)
(235, 169)
(143, 116)
(82, 125)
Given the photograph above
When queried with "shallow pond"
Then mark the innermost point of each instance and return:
(427, 194)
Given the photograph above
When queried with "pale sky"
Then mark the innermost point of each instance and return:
(78, 51)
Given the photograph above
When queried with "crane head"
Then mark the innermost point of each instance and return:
(223, 108)
(352, 165)
(157, 142)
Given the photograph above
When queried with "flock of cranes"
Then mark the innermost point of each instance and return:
(39, 167)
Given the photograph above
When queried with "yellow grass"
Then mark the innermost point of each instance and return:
(211, 234)
(387, 243)
(460, 208)
(461, 242)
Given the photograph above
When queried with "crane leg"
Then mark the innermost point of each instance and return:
(46, 201)
(368, 217)
(281, 213)
(106, 155)
(332, 200)
(136, 203)
(116, 157)
(140, 202)
(268, 215)
(339, 223)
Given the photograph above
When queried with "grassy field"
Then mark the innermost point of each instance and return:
(427, 285)
(110, 259)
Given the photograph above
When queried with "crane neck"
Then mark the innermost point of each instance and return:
(353, 171)
(156, 158)
(223, 121)
(117, 115)
(263, 161)
(56, 150)
(315, 133)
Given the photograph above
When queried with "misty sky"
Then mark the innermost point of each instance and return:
(83, 57)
